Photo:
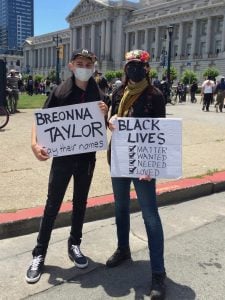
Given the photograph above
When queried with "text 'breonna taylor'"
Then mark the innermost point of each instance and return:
(72, 129)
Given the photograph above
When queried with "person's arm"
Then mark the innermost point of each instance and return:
(38, 151)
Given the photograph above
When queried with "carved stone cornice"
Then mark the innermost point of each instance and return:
(171, 18)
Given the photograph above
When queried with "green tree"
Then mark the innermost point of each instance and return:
(173, 73)
(188, 77)
(38, 77)
(119, 74)
(52, 75)
(212, 72)
(109, 75)
(25, 77)
(153, 73)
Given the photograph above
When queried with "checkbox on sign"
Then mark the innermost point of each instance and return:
(131, 162)
(131, 170)
(132, 154)
(132, 148)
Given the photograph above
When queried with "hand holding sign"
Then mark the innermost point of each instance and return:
(112, 122)
(103, 107)
(40, 153)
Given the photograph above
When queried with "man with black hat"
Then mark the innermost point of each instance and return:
(79, 88)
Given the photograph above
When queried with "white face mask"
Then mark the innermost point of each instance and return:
(83, 74)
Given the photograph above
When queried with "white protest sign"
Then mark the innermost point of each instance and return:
(147, 146)
(71, 129)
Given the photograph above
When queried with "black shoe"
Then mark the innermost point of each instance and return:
(77, 256)
(35, 269)
(118, 257)
(158, 288)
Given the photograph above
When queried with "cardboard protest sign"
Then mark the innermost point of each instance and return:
(71, 129)
(147, 146)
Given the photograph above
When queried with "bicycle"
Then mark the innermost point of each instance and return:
(12, 98)
(4, 117)
(172, 98)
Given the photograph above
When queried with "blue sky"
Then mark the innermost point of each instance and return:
(49, 15)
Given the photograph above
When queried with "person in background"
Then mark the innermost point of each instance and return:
(12, 85)
(207, 91)
(30, 85)
(47, 86)
(138, 98)
(193, 90)
(79, 88)
(101, 81)
(220, 92)
(165, 89)
(157, 83)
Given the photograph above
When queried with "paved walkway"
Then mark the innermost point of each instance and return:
(24, 179)
(194, 259)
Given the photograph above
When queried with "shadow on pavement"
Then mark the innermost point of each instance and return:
(127, 279)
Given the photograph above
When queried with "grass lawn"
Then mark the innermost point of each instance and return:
(35, 101)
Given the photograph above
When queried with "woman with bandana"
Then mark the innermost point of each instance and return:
(138, 98)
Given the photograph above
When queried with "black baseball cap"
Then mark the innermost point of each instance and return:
(83, 53)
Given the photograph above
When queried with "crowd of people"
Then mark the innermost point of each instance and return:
(212, 91)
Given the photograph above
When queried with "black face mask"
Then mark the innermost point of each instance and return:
(135, 72)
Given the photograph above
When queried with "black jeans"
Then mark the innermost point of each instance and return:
(62, 169)
(208, 98)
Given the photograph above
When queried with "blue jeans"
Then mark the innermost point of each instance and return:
(146, 194)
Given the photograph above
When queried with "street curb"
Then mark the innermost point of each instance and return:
(27, 221)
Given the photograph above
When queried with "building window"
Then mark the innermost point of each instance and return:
(141, 38)
(219, 26)
(153, 36)
(218, 47)
(203, 28)
(188, 49)
(131, 40)
(202, 48)
(152, 53)
(175, 50)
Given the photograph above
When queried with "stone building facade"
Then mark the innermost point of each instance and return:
(110, 28)
(40, 53)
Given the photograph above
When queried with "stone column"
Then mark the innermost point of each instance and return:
(127, 42)
(74, 39)
(223, 36)
(83, 37)
(39, 58)
(146, 41)
(52, 57)
(180, 42)
(31, 59)
(209, 35)
(71, 39)
(103, 39)
(93, 37)
(119, 42)
(108, 40)
(193, 40)
(156, 42)
(43, 58)
(135, 39)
